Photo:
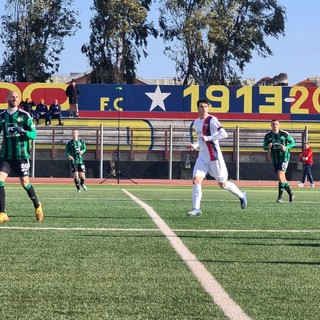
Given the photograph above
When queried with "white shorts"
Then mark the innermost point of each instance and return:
(217, 169)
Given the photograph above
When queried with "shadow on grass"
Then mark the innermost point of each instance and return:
(72, 217)
(309, 263)
(249, 238)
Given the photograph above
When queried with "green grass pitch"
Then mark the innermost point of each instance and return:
(99, 255)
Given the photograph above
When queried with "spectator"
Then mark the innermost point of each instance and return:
(54, 112)
(307, 158)
(72, 92)
(41, 111)
(27, 106)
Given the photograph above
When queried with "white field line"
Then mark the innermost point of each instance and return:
(220, 297)
(75, 229)
(182, 189)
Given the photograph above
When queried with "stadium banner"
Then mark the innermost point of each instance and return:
(177, 102)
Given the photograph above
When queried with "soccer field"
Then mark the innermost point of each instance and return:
(130, 252)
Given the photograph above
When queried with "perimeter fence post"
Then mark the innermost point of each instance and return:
(101, 152)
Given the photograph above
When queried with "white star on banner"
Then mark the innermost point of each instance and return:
(157, 99)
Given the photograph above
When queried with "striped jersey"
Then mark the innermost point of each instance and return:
(16, 146)
(209, 127)
(73, 147)
(281, 138)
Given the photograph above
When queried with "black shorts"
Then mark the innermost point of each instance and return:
(19, 167)
(78, 168)
(282, 166)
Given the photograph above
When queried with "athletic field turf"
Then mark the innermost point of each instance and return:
(130, 252)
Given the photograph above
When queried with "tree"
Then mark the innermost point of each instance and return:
(212, 40)
(33, 32)
(119, 32)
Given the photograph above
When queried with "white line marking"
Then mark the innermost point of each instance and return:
(220, 297)
(76, 229)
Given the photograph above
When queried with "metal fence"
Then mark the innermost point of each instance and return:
(161, 139)
(167, 143)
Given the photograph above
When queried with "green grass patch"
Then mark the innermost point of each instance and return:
(98, 255)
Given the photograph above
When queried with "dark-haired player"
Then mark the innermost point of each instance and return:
(210, 159)
(279, 142)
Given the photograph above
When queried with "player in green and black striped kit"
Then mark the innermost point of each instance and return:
(74, 151)
(17, 130)
(278, 143)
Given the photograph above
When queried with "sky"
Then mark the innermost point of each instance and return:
(297, 53)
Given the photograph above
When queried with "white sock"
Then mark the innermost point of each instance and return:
(196, 196)
(231, 187)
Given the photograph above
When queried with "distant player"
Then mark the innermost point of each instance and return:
(74, 150)
(278, 143)
(17, 130)
(210, 159)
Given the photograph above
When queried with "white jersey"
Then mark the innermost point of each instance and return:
(211, 129)
(210, 161)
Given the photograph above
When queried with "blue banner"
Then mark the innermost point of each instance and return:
(178, 102)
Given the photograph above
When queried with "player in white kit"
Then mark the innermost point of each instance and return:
(210, 159)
